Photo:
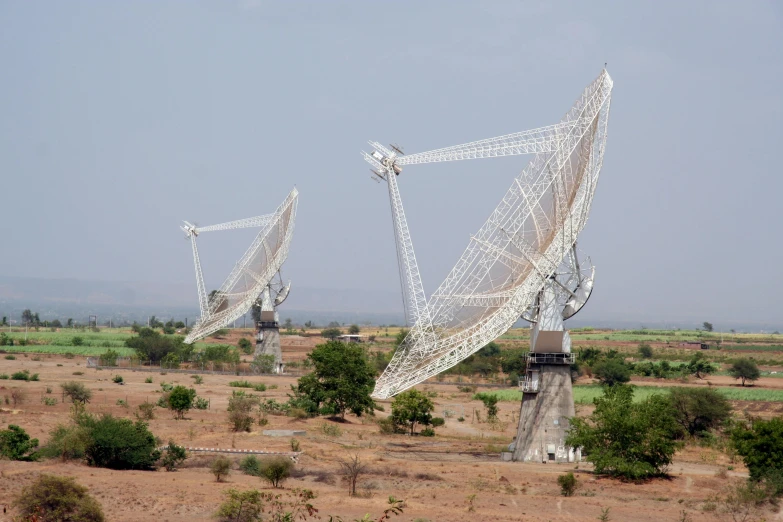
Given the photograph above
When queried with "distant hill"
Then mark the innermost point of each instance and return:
(134, 301)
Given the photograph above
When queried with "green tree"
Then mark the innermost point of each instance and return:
(353, 329)
(699, 366)
(645, 351)
(698, 410)
(331, 333)
(55, 499)
(275, 470)
(342, 379)
(624, 439)
(612, 371)
(152, 346)
(707, 326)
(16, 444)
(411, 408)
(181, 400)
(5, 320)
(491, 404)
(57, 324)
(761, 447)
(69, 323)
(119, 443)
(27, 316)
(173, 456)
(241, 506)
(77, 392)
(246, 346)
(745, 369)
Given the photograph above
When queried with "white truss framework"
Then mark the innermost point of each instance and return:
(251, 274)
(521, 245)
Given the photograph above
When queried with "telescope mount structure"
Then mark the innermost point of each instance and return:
(522, 263)
(255, 279)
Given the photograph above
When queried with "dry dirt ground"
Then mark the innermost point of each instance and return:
(454, 476)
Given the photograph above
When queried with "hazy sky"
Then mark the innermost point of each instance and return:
(119, 119)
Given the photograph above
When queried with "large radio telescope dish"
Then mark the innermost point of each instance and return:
(253, 272)
(524, 244)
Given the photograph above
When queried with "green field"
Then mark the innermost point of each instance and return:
(584, 394)
(76, 350)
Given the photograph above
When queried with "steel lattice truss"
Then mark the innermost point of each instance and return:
(522, 244)
(251, 274)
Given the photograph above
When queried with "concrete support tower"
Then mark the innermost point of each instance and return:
(547, 395)
(268, 333)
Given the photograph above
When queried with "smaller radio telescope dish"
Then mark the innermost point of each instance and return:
(251, 275)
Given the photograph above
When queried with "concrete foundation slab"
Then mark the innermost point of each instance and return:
(285, 433)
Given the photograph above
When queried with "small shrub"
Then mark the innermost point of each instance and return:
(437, 422)
(77, 373)
(298, 413)
(148, 380)
(221, 468)
(387, 426)
(4, 376)
(567, 484)
(122, 402)
(197, 379)
(18, 396)
(34, 377)
(250, 465)
(48, 389)
(427, 432)
(260, 387)
(69, 355)
(645, 351)
(181, 400)
(145, 411)
(246, 346)
(49, 401)
(10, 358)
(331, 430)
(77, 341)
(67, 442)
(53, 499)
(24, 375)
(275, 470)
(294, 445)
(240, 413)
(201, 403)
(241, 506)
(173, 456)
(118, 379)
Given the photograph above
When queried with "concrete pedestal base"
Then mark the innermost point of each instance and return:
(268, 343)
(543, 418)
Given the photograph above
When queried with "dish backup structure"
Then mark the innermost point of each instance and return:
(255, 280)
(523, 262)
